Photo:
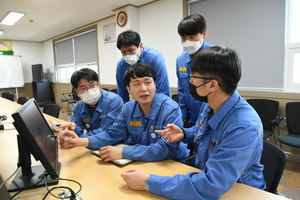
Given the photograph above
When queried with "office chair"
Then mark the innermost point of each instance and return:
(5, 95)
(11, 96)
(22, 100)
(114, 90)
(70, 97)
(105, 89)
(175, 97)
(190, 160)
(65, 99)
(274, 160)
(292, 118)
(267, 110)
(52, 109)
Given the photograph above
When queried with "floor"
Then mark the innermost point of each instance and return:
(289, 185)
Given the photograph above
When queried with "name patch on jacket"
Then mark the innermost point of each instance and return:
(182, 69)
(135, 123)
(86, 120)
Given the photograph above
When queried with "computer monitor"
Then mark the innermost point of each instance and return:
(34, 139)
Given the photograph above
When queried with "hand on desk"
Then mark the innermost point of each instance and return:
(135, 178)
(172, 133)
(109, 153)
(68, 126)
(72, 139)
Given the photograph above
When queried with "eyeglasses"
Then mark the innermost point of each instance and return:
(84, 89)
(200, 77)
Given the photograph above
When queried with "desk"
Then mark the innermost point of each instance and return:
(101, 180)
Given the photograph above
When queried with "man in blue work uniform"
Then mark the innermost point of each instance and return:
(228, 135)
(134, 51)
(137, 123)
(192, 30)
(97, 109)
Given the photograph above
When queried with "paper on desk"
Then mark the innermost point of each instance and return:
(122, 161)
(53, 125)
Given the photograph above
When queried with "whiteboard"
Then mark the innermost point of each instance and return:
(11, 71)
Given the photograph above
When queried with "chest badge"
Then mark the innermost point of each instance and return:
(153, 135)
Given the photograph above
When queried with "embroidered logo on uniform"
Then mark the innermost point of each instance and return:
(201, 124)
(135, 123)
(86, 120)
(72, 114)
(182, 69)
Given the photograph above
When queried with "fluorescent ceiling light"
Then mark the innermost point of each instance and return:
(11, 18)
(1, 31)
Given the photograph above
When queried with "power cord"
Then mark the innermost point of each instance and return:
(41, 177)
(66, 194)
(9, 177)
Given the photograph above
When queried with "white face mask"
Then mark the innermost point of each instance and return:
(191, 46)
(131, 59)
(91, 96)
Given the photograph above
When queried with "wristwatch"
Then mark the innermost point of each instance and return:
(146, 184)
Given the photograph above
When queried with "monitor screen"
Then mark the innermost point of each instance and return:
(33, 138)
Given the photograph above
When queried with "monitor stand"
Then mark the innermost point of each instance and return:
(29, 182)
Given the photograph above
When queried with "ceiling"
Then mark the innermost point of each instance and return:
(45, 19)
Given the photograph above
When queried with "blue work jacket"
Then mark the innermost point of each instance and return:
(153, 58)
(134, 128)
(229, 147)
(189, 106)
(105, 113)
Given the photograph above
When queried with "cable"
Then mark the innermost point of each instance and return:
(33, 193)
(9, 177)
(73, 194)
(26, 188)
(80, 186)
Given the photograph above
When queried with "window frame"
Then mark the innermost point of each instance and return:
(291, 48)
(73, 66)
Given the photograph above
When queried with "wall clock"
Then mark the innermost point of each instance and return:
(121, 18)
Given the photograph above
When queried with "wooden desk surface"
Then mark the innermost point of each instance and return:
(101, 180)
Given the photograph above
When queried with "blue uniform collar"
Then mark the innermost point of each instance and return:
(138, 113)
(223, 110)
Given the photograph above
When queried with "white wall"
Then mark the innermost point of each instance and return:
(48, 61)
(158, 29)
(157, 26)
(32, 53)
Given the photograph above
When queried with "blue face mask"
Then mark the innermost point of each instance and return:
(195, 95)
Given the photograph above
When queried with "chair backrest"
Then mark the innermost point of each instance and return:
(292, 114)
(11, 97)
(175, 97)
(266, 109)
(114, 90)
(274, 160)
(52, 109)
(5, 94)
(74, 95)
(22, 100)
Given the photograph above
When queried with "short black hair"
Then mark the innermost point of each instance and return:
(138, 70)
(128, 38)
(85, 73)
(220, 63)
(192, 25)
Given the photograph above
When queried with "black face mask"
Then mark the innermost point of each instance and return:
(193, 91)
